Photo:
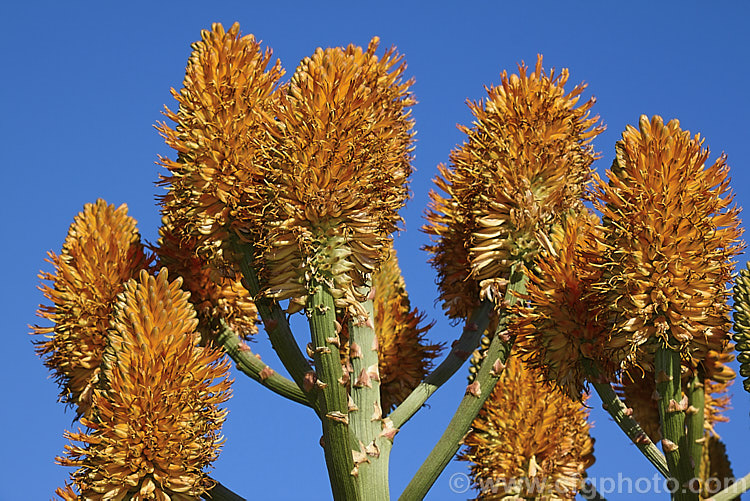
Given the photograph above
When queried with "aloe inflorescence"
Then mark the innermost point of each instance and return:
(525, 164)
(670, 235)
(156, 423)
(101, 252)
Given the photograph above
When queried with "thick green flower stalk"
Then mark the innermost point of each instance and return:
(101, 252)
(156, 425)
(670, 234)
(637, 391)
(525, 164)
(529, 440)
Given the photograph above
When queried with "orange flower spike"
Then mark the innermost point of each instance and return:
(557, 328)
(226, 96)
(529, 434)
(101, 252)
(404, 355)
(670, 234)
(339, 167)
(525, 164)
(157, 425)
(213, 296)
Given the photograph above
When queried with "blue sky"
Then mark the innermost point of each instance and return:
(83, 83)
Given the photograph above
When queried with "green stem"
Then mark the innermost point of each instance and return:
(672, 414)
(221, 493)
(695, 417)
(477, 393)
(252, 366)
(277, 326)
(734, 490)
(462, 348)
(621, 415)
(366, 419)
(332, 397)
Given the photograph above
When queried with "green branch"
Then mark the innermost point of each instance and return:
(622, 416)
(276, 324)
(476, 395)
(620, 413)
(460, 351)
(252, 366)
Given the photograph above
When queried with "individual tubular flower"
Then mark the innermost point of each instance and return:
(339, 163)
(557, 329)
(226, 96)
(742, 324)
(526, 162)
(101, 252)
(404, 356)
(157, 423)
(213, 296)
(670, 235)
(529, 439)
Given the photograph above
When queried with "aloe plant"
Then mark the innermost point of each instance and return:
(284, 198)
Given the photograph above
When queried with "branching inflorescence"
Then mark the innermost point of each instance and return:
(285, 196)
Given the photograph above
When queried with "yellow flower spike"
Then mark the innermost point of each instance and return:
(339, 163)
(404, 355)
(101, 252)
(157, 425)
(557, 329)
(526, 162)
(670, 234)
(213, 296)
(226, 96)
(529, 439)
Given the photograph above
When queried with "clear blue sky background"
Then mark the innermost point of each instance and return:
(83, 82)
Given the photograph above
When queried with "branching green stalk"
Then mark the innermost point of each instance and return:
(332, 397)
(277, 326)
(366, 417)
(733, 491)
(252, 366)
(672, 408)
(221, 493)
(695, 417)
(460, 352)
(476, 394)
(622, 416)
